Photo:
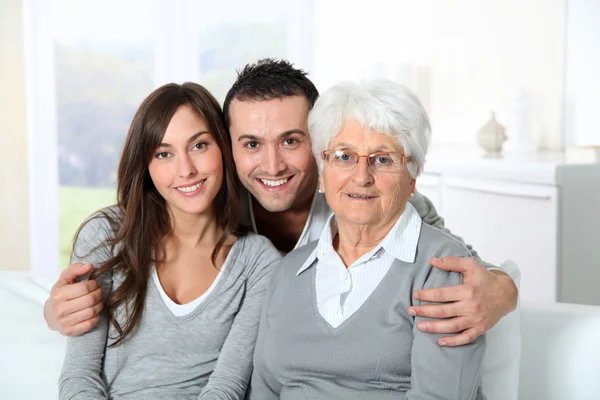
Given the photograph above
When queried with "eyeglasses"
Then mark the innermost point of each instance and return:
(345, 160)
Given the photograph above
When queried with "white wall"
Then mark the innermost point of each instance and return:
(463, 57)
(582, 72)
(14, 216)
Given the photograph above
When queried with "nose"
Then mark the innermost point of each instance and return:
(362, 174)
(186, 167)
(274, 164)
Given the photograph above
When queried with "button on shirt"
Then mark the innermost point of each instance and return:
(341, 291)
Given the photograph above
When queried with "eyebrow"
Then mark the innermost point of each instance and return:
(383, 148)
(190, 139)
(280, 136)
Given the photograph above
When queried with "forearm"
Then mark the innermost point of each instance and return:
(510, 293)
(231, 376)
(80, 377)
(81, 388)
(263, 386)
(224, 389)
(49, 316)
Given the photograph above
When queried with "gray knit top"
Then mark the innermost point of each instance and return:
(377, 353)
(206, 354)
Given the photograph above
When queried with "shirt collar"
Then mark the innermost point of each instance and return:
(401, 241)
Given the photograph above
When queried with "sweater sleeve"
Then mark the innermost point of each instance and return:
(230, 378)
(80, 377)
(444, 373)
(264, 386)
(429, 215)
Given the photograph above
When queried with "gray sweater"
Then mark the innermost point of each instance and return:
(377, 353)
(206, 354)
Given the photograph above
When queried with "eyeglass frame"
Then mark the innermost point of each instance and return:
(404, 159)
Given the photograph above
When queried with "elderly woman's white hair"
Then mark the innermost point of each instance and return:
(380, 105)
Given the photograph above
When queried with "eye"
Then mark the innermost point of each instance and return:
(252, 145)
(162, 155)
(342, 156)
(383, 160)
(290, 141)
(200, 146)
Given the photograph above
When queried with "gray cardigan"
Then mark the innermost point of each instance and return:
(206, 354)
(377, 353)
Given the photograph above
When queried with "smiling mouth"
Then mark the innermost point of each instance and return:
(189, 189)
(274, 183)
(360, 196)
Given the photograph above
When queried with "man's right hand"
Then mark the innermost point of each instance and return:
(74, 307)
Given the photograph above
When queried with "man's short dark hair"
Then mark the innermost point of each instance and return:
(270, 79)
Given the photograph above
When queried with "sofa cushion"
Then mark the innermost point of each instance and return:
(561, 352)
(31, 354)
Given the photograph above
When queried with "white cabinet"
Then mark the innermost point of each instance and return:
(508, 220)
(543, 215)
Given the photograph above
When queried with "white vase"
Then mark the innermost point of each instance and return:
(491, 136)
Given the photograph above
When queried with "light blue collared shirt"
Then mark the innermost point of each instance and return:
(341, 291)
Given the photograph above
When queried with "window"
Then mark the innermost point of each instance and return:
(91, 63)
(582, 64)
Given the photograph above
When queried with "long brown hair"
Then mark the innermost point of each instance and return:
(143, 219)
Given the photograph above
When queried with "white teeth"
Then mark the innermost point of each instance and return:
(274, 183)
(188, 189)
(358, 196)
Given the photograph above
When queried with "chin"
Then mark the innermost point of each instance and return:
(358, 219)
(273, 202)
(193, 209)
(274, 205)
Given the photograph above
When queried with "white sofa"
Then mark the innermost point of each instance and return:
(560, 355)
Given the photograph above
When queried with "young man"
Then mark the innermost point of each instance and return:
(266, 111)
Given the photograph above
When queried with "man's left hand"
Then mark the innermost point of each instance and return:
(469, 309)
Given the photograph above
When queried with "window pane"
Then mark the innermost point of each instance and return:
(238, 32)
(104, 68)
(219, 60)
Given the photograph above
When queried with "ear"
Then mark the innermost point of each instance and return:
(321, 186)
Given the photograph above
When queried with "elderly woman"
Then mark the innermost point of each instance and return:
(334, 324)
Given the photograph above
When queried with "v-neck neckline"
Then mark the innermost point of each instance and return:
(231, 257)
(377, 292)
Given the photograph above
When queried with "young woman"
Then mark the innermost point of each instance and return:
(183, 283)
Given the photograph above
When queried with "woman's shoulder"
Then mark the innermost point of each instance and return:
(435, 243)
(440, 243)
(97, 230)
(93, 242)
(105, 219)
(255, 249)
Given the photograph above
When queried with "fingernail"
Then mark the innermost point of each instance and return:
(412, 312)
(437, 259)
(416, 295)
(422, 327)
(443, 343)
